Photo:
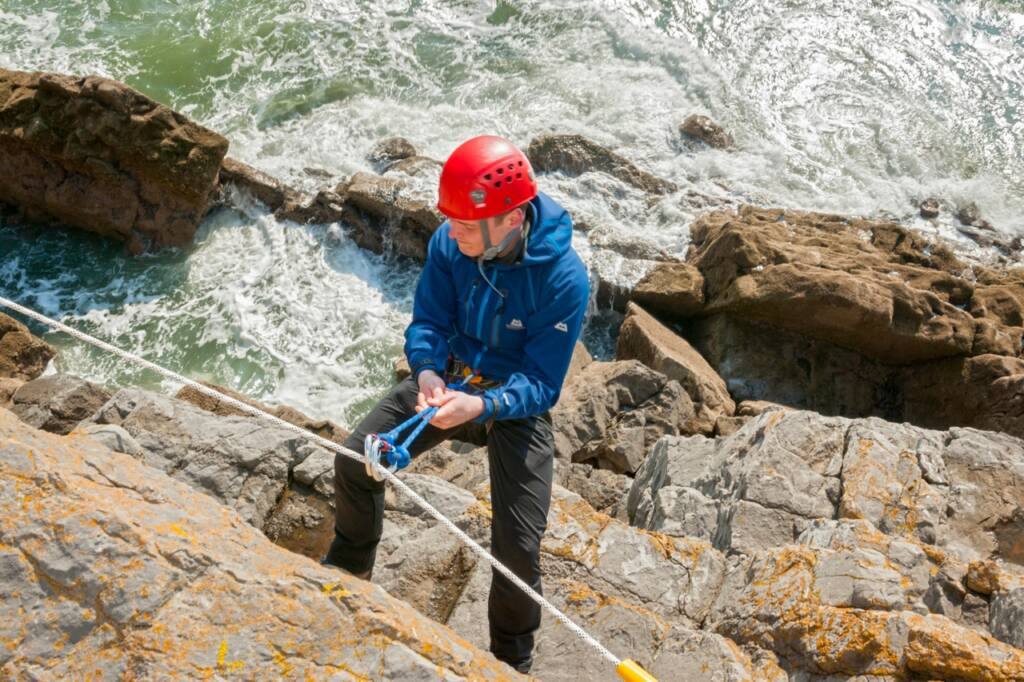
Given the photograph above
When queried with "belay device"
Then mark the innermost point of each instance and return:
(383, 451)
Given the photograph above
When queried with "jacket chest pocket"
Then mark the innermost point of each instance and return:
(508, 331)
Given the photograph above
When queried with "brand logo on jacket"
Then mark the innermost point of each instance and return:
(562, 327)
(515, 324)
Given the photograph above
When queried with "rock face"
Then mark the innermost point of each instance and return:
(643, 338)
(93, 153)
(268, 189)
(22, 355)
(961, 490)
(57, 403)
(705, 130)
(112, 569)
(240, 461)
(612, 412)
(575, 154)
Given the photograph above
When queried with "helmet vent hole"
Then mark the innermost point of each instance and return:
(487, 177)
(500, 171)
(498, 183)
(519, 175)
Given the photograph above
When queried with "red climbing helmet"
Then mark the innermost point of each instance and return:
(485, 176)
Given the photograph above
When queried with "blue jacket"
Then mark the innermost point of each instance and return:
(525, 341)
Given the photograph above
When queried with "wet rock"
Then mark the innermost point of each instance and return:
(416, 166)
(22, 355)
(614, 411)
(643, 338)
(242, 462)
(57, 403)
(138, 574)
(672, 289)
(575, 155)
(389, 150)
(388, 213)
(929, 208)
(325, 207)
(705, 130)
(266, 188)
(93, 153)
(970, 215)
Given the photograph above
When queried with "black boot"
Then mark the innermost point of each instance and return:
(331, 560)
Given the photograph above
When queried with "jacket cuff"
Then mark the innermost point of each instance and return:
(424, 364)
(490, 409)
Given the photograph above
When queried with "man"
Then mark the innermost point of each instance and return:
(502, 297)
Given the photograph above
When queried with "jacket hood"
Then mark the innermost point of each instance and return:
(550, 231)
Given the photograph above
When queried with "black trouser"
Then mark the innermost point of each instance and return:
(520, 454)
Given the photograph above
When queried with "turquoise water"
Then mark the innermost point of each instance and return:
(840, 106)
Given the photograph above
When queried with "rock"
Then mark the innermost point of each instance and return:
(954, 490)
(705, 130)
(603, 490)
(387, 213)
(466, 470)
(402, 368)
(22, 355)
(802, 603)
(838, 280)
(267, 189)
(136, 574)
(752, 408)
(984, 392)
(672, 289)
(969, 214)
(7, 389)
(113, 438)
(929, 208)
(1006, 617)
(389, 150)
(614, 411)
(325, 207)
(58, 402)
(726, 426)
(643, 338)
(575, 155)
(93, 153)
(321, 427)
(242, 462)
(743, 492)
(581, 358)
(416, 166)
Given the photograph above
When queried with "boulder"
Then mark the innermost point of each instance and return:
(1006, 617)
(672, 289)
(242, 462)
(113, 438)
(113, 569)
(58, 402)
(969, 214)
(868, 286)
(612, 413)
(22, 355)
(7, 389)
(575, 155)
(389, 150)
(327, 206)
(416, 166)
(703, 129)
(929, 208)
(389, 214)
(603, 490)
(643, 338)
(93, 153)
(266, 188)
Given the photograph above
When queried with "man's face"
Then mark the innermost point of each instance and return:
(470, 238)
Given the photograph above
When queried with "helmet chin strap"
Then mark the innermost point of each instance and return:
(492, 251)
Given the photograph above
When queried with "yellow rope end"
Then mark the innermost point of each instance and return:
(630, 671)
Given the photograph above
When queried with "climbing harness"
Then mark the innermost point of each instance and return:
(384, 452)
(628, 670)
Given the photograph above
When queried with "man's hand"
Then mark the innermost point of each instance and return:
(432, 389)
(457, 408)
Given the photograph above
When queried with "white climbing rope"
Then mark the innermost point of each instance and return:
(329, 445)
